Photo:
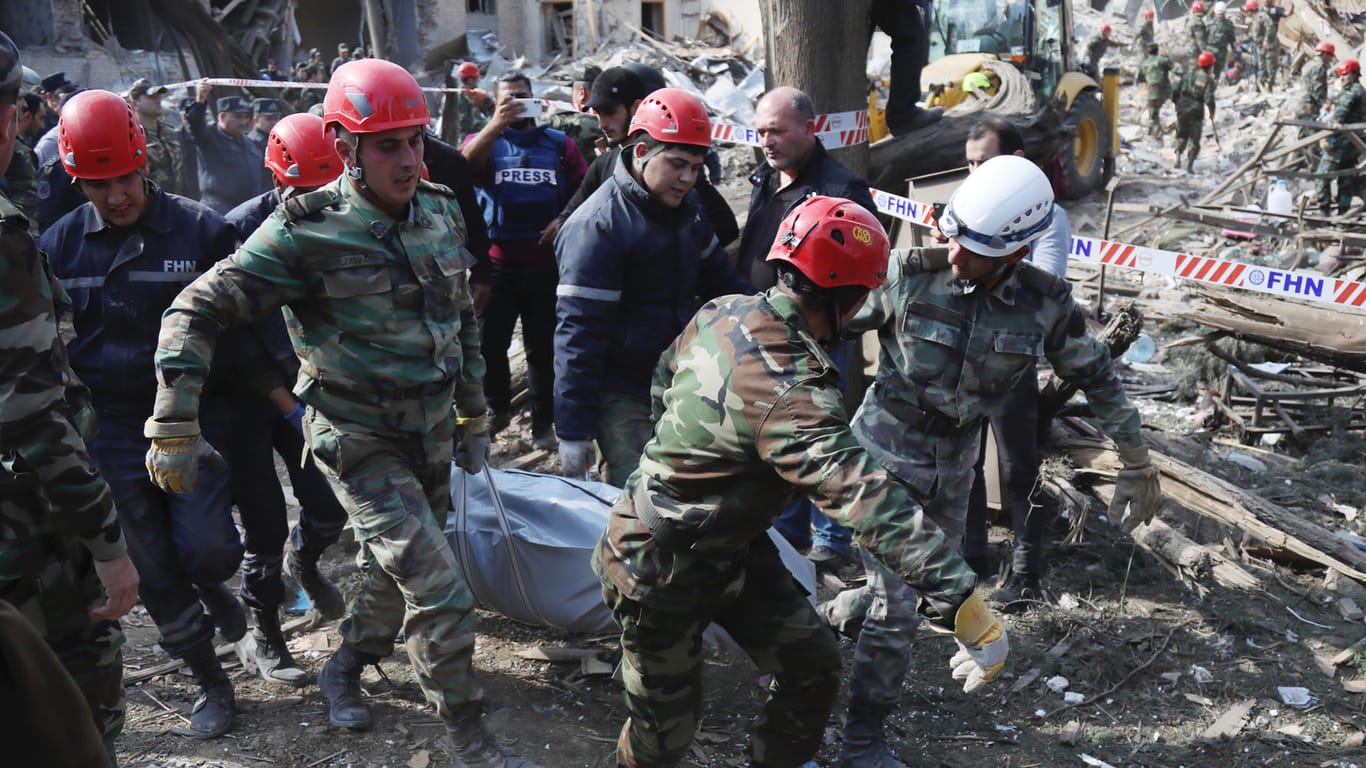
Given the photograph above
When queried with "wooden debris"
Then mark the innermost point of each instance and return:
(1354, 686)
(593, 666)
(1346, 654)
(556, 653)
(420, 759)
(1071, 734)
(1195, 561)
(1314, 331)
(1230, 723)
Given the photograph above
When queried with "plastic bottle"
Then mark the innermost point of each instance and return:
(1142, 350)
(1279, 202)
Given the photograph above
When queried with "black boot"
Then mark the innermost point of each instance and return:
(1190, 163)
(225, 609)
(474, 747)
(864, 745)
(327, 599)
(264, 650)
(340, 684)
(1019, 593)
(213, 710)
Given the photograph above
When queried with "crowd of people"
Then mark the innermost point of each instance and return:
(181, 302)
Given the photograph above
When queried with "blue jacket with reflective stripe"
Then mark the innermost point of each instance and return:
(632, 274)
(121, 279)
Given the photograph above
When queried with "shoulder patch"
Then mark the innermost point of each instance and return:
(440, 189)
(1042, 282)
(309, 203)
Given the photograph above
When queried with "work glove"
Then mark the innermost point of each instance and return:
(296, 418)
(1137, 492)
(982, 644)
(575, 456)
(473, 452)
(176, 453)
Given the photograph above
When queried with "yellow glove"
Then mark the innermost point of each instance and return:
(1137, 491)
(176, 453)
(982, 644)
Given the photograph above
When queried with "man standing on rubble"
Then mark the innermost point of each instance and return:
(1155, 72)
(633, 261)
(1314, 80)
(1195, 27)
(1096, 48)
(1220, 37)
(748, 410)
(1194, 96)
(1339, 152)
(1264, 35)
(1145, 31)
(796, 166)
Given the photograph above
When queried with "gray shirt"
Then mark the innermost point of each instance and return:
(1049, 252)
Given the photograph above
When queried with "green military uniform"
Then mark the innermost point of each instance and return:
(1199, 33)
(1146, 33)
(22, 180)
(1339, 152)
(1220, 36)
(1194, 96)
(1314, 80)
(1265, 36)
(471, 117)
(380, 315)
(1156, 71)
(581, 128)
(166, 157)
(56, 513)
(1095, 49)
(947, 356)
(747, 408)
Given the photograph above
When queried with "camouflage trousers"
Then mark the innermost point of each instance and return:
(395, 488)
(1269, 65)
(768, 615)
(939, 473)
(1332, 160)
(624, 427)
(1155, 115)
(53, 584)
(1190, 123)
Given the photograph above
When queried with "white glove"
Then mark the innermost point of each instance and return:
(473, 453)
(575, 456)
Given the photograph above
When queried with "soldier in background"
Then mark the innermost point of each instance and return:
(1314, 80)
(343, 56)
(1145, 30)
(1339, 152)
(1194, 97)
(62, 544)
(472, 104)
(1220, 36)
(581, 126)
(165, 153)
(1155, 71)
(1196, 28)
(1096, 49)
(1264, 36)
(229, 163)
(21, 178)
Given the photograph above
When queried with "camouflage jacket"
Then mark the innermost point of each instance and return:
(1350, 105)
(166, 157)
(1219, 36)
(1314, 78)
(1263, 31)
(747, 408)
(1156, 72)
(1199, 32)
(379, 311)
(954, 356)
(472, 117)
(581, 128)
(1145, 33)
(1196, 90)
(47, 482)
(1097, 46)
(22, 179)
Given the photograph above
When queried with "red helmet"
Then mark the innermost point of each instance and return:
(467, 69)
(1349, 66)
(99, 137)
(1105, 29)
(1250, 6)
(374, 95)
(1197, 7)
(300, 153)
(1326, 47)
(1205, 59)
(834, 242)
(1148, 13)
(673, 116)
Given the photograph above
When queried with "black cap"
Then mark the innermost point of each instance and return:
(266, 107)
(616, 87)
(233, 104)
(588, 73)
(652, 77)
(143, 87)
(56, 82)
(11, 71)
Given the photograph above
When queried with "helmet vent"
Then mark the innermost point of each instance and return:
(837, 236)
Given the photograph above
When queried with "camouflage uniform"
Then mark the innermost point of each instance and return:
(1095, 49)
(56, 512)
(1314, 79)
(947, 357)
(581, 128)
(1156, 72)
(380, 316)
(747, 408)
(1145, 33)
(1264, 36)
(471, 117)
(22, 179)
(1338, 152)
(1194, 95)
(1199, 32)
(1220, 36)
(166, 158)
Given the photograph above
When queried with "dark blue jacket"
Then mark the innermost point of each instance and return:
(230, 170)
(270, 329)
(632, 274)
(121, 279)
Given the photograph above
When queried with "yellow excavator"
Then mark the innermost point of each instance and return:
(1035, 36)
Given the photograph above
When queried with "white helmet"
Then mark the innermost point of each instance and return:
(1005, 204)
(1220, 7)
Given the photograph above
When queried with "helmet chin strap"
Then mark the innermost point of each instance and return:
(353, 170)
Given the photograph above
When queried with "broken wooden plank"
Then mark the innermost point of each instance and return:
(555, 653)
(1230, 723)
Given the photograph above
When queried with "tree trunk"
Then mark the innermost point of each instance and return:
(822, 48)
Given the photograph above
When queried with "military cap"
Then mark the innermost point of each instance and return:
(143, 87)
(56, 82)
(343, 47)
(233, 104)
(587, 73)
(314, 52)
(266, 107)
(11, 70)
(32, 82)
(615, 87)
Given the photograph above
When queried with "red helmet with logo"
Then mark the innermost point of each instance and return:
(99, 137)
(673, 116)
(1197, 7)
(467, 69)
(1349, 66)
(374, 95)
(1105, 29)
(1148, 13)
(300, 153)
(834, 242)
(1205, 59)
(1326, 47)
